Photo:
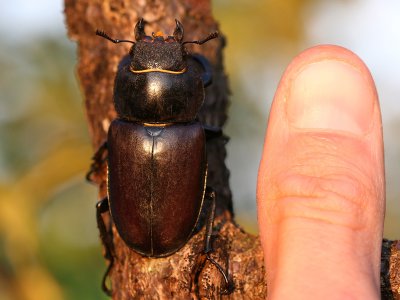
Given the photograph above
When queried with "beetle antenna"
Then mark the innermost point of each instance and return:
(106, 36)
(211, 36)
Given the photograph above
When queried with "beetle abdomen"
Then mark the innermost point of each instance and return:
(156, 183)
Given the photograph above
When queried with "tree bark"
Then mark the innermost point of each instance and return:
(134, 276)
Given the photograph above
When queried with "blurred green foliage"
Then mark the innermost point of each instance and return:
(48, 238)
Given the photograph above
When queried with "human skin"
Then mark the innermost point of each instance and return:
(321, 191)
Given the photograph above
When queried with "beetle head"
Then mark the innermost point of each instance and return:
(156, 52)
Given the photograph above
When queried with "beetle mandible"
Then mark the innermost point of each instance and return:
(157, 165)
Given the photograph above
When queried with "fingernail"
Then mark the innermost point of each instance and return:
(331, 94)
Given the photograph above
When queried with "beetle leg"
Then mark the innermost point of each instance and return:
(97, 161)
(212, 132)
(207, 74)
(210, 194)
(208, 247)
(106, 237)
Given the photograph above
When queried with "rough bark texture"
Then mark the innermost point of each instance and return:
(134, 276)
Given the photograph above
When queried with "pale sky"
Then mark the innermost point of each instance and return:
(23, 19)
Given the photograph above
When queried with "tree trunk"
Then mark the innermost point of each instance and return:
(132, 275)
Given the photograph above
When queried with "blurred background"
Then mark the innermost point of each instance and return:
(49, 247)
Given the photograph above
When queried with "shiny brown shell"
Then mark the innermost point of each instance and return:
(156, 183)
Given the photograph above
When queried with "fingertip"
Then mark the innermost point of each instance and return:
(326, 52)
(324, 88)
(326, 104)
(317, 54)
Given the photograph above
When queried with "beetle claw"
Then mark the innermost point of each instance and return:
(228, 284)
(98, 159)
(107, 290)
(106, 237)
(198, 268)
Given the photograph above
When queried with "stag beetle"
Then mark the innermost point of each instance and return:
(157, 165)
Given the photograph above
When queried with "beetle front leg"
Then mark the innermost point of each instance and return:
(106, 237)
(210, 195)
(212, 132)
(97, 161)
